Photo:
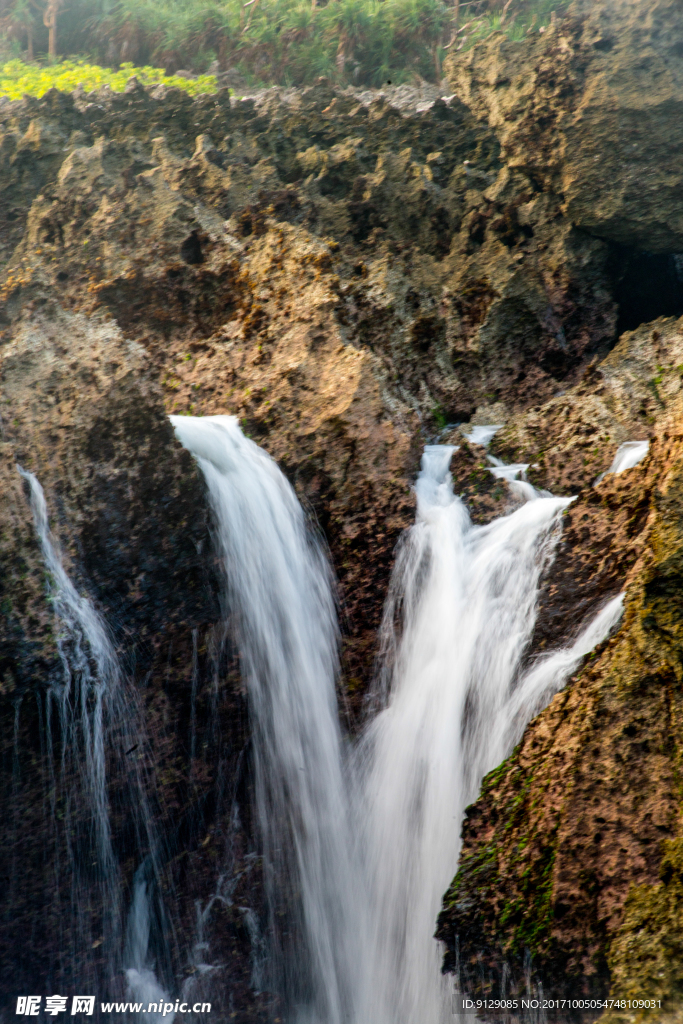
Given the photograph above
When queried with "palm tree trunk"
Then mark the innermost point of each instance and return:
(50, 22)
(340, 59)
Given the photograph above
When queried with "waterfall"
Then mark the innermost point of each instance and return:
(364, 842)
(90, 680)
(143, 986)
(97, 720)
(458, 700)
(279, 595)
(629, 455)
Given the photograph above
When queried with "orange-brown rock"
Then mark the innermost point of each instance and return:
(569, 862)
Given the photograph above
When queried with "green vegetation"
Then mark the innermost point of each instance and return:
(646, 954)
(363, 42)
(18, 79)
(511, 876)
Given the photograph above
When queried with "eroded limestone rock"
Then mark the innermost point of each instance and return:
(592, 109)
(352, 274)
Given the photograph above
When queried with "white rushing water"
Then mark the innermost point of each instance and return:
(98, 717)
(483, 434)
(90, 680)
(468, 597)
(143, 986)
(370, 841)
(629, 455)
(280, 594)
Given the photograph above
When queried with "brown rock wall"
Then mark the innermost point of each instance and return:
(591, 109)
(579, 813)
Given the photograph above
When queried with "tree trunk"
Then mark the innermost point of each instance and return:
(50, 22)
(29, 42)
(340, 59)
(437, 62)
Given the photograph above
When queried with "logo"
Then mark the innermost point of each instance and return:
(29, 1006)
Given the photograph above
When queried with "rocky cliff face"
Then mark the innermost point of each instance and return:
(590, 111)
(569, 868)
(579, 814)
(353, 274)
(345, 276)
(82, 411)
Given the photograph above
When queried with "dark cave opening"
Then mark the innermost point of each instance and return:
(191, 249)
(646, 285)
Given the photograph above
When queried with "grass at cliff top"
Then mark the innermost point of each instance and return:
(263, 42)
(18, 79)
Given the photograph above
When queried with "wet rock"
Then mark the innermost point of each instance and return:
(564, 849)
(128, 511)
(82, 415)
(346, 272)
(350, 273)
(569, 868)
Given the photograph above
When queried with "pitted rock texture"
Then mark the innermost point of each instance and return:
(351, 274)
(591, 109)
(131, 515)
(570, 854)
(569, 444)
(569, 871)
(579, 813)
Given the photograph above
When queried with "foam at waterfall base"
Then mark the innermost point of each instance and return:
(144, 988)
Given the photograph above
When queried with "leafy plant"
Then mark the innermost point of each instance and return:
(18, 79)
(288, 42)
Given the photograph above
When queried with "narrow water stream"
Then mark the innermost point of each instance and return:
(81, 700)
(98, 719)
(279, 591)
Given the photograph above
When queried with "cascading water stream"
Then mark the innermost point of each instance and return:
(457, 698)
(142, 982)
(366, 845)
(90, 677)
(359, 844)
(279, 594)
(98, 717)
